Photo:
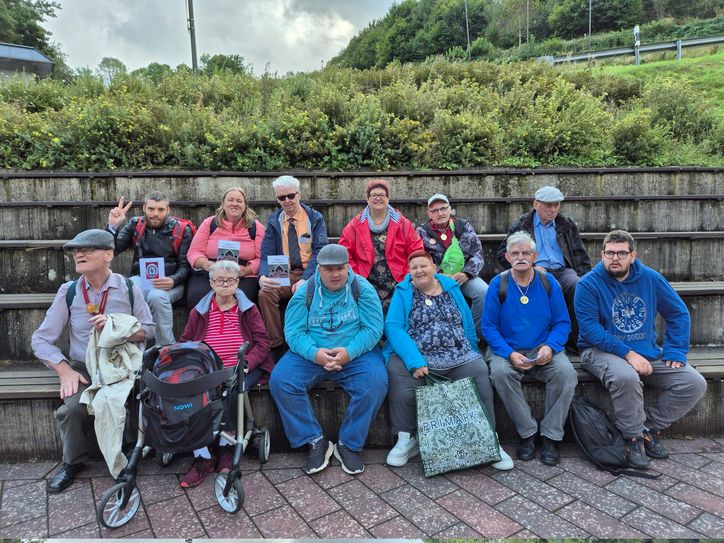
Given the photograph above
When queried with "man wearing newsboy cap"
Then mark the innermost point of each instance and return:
(333, 324)
(82, 305)
(560, 248)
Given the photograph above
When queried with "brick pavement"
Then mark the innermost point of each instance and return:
(572, 500)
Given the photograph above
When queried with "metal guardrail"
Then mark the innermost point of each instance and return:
(676, 45)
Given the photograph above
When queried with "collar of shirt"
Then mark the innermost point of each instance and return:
(538, 222)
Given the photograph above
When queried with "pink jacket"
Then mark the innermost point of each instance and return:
(206, 244)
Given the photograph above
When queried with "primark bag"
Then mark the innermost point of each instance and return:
(453, 427)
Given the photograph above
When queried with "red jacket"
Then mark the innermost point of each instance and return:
(402, 239)
(252, 327)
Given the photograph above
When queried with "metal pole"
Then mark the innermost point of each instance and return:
(527, 21)
(678, 49)
(467, 28)
(589, 23)
(637, 45)
(192, 32)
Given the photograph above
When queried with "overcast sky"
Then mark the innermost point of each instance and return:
(289, 35)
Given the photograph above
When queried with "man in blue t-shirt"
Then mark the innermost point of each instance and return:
(616, 305)
(526, 324)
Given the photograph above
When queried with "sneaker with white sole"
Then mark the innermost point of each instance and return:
(318, 455)
(405, 448)
(351, 460)
(505, 463)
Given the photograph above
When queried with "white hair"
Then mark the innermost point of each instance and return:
(518, 238)
(286, 181)
(224, 265)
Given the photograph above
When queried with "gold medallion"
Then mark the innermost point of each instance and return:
(428, 302)
(524, 300)
(91, 308)
(443, 237)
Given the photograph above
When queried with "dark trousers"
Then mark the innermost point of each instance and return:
(568, 278)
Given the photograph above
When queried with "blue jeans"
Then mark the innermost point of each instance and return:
(364, 379)
(160, 303)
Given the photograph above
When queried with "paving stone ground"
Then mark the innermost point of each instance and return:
(572, 500)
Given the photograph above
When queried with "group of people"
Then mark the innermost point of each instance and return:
(377, 312)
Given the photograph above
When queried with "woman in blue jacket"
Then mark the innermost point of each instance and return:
(429, 327)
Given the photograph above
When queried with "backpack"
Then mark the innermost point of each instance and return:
(70, 294)
(312, 286)
(505, 280)
(186, 388)
(599, 438)
(177, 234)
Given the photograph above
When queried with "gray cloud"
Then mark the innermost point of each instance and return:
(288, 35)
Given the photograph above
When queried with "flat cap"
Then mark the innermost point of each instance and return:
(436, 197)
(95, 238)
(549, 194)
(333, 255)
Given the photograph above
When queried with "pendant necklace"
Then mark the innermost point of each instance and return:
(443, 233)
(428, 301)
(523, 295)
(93, 309)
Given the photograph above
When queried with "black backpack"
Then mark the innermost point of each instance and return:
(599, 438)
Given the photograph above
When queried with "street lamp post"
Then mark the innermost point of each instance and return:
(192, 32)
(589, 24)
(467, 29)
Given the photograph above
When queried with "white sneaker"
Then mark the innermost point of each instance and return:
(505, 463)
(405, 448)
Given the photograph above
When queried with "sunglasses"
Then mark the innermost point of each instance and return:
(291, 196)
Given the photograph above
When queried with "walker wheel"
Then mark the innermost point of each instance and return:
(109, 511)
(233, 502)
(262, 442)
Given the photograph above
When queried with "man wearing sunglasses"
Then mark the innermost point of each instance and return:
(295, 230)
(98, 293)
(616, 305)
(560, 248)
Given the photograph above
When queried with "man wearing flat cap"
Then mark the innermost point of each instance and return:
(333, 324)
(560, 248)
(83, 305)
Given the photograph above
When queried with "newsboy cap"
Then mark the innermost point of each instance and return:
(549, 194)
(94, 238)
(436, 197)
(333, 255)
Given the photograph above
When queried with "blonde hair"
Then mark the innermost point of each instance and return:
(247, 219)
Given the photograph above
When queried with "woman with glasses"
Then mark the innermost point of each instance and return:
(233, 233)
(225, 319)
(429, 328)
(379, 240)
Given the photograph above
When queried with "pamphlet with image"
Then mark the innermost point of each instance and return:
(279, 269)
(228, 250)
(150, 269)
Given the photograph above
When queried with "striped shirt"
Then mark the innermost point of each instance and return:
(223, 333)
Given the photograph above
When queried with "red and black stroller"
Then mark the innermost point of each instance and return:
(184, 394)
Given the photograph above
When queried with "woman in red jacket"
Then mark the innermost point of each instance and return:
(225, 319)
(379, 240)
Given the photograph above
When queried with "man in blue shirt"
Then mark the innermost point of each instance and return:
(560, 248)
(616, 304)
(525, 323)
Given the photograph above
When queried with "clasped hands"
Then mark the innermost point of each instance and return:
(332, 359)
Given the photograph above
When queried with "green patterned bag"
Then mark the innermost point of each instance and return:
(453, 427)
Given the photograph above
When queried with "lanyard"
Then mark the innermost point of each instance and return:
(93, 309)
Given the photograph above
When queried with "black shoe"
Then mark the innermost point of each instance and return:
(526, 448)
(635, 456)
(351, 460)
(318, 457)
(64, 478)
(549, 452)
(653, 446)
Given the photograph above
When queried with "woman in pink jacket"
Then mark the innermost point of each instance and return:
(232, 234)
(379, 240)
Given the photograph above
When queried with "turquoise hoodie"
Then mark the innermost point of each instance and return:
(334, 319)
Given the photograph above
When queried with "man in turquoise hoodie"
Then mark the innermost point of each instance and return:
(616, 305)
(332, 334)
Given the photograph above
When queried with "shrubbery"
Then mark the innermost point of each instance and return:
(436, 114)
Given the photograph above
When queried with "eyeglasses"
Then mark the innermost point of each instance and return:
(291, 196)
(620, 254)
(437, 210)
(524, 254)
(225, 282)
(378, 196)
(83, 250)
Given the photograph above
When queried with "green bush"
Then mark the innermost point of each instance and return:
(636, 139)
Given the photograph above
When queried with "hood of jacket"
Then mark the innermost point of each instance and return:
(205, 303)
(634, 274)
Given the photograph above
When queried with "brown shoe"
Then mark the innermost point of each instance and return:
(198, 472)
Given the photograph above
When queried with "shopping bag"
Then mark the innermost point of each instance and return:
(453, 427)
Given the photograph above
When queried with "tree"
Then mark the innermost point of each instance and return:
(211, 64)
(569, 18)
(109, 68)
(154, 72)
